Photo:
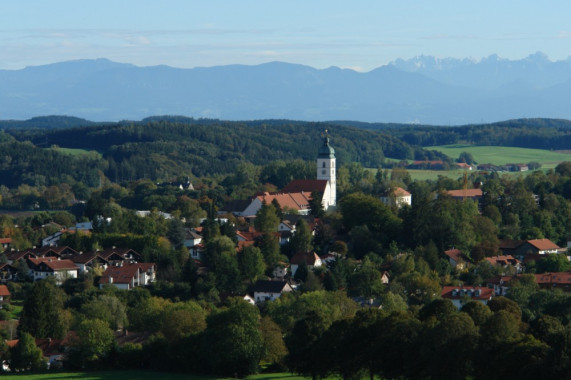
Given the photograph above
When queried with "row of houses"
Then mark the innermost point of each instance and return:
(120, 267)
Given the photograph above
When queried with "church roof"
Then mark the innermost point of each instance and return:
(294, 200)
(305, 185)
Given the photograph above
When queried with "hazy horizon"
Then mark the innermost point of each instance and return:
(362, 35)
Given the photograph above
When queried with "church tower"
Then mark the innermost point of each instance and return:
(326, 171)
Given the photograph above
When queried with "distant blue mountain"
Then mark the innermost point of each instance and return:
(420, 90)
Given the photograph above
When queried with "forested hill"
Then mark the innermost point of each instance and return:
(46, 122)
(163, 148)
(523, 133)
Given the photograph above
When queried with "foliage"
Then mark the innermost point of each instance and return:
(26, 356)
(42, 315)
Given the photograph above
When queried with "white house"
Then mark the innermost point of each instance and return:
(397, 197)
(266, 290)
(44, 267)
(460, 295)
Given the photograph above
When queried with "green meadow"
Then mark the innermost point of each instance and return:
(499, 155)
(496, 155)
(76, 152)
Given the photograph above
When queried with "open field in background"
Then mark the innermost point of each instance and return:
(76, 152)
(499, 155)
(138, 375)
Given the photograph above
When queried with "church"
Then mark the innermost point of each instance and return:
(297, 193)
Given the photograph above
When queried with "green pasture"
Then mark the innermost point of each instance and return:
(76, 152)
(137, 375)
(500, 155)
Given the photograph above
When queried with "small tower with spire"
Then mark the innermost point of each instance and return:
(326, 171)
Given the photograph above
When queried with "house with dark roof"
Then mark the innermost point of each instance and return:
(8, 272)
(269, 290)
(310, 258)
(460, 295)
(88, 261)
(116, 256)
(522, 248)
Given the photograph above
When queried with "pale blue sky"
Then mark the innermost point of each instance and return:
(319, 33)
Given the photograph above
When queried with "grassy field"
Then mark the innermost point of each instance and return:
(499, 155)
(137, 375)
(76, 152)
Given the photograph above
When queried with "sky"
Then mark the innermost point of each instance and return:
(357, 34)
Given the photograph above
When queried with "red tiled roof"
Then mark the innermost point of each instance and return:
(543, 244)
(305, 185)
(120, 275)
(4, 292)
(502, 260)
(5, 240)
(296, 201)
(400, 192)
(461, 292)
(472, 193)
(563, 278)
(454, 254)
(53, 264)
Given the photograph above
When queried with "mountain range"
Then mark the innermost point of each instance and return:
(423, 89)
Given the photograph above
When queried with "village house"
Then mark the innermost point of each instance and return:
(554, 280)
(270, 290)
(310, 258)
(5, 243)
(500, 284)
(89, 261)
(128, 276)
(460, 295)
(8, 272)
(457, 259)
(44, 267)
(505, 261)
(397, 197)
(4, 296)
(522, 248)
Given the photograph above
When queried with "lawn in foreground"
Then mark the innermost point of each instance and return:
(137, 375)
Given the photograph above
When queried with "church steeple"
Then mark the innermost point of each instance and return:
(326, 171)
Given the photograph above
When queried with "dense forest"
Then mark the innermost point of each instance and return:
(162, 149)
(523, 133)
